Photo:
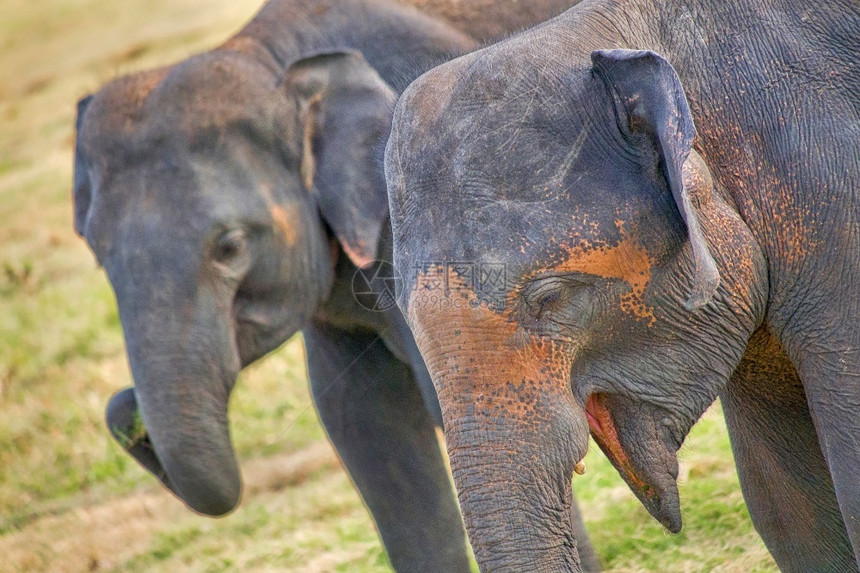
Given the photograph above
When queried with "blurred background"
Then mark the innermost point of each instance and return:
(71, 500)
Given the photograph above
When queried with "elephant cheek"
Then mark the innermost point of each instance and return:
(261, 329)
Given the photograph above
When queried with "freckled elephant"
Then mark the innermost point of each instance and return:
(231, 199)
(610, 220)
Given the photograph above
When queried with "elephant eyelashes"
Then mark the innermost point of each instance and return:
(547, 302)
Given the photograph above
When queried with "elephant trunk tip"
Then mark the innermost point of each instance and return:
(670, 516)
(211, 503)
(208, 484)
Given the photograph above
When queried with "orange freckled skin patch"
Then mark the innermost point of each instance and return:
(146, 83)
(357, 251)
(282, 224)
(513, 372)
(626, 261)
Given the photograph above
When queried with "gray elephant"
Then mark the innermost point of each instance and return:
(608, 221)
(231, 199)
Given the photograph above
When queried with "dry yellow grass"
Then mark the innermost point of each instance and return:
(103, 534)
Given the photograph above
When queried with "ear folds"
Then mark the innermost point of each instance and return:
(82, 188)
(345, 113)
(650, 101)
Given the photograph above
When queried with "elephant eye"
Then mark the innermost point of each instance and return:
(229, 246)
(544, 297)
(547, 302)
(558, 300)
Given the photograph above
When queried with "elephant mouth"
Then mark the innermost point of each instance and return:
(126, 427)
(656, 487)
(143, 451)
(202, 495)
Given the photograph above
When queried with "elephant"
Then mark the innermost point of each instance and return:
(607, 222)
(231, 199)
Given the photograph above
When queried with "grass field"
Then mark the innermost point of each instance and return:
(70, 500)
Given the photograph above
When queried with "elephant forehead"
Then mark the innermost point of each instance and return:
(474, 127)
(218, 89)
(116, 107)
(201, 101)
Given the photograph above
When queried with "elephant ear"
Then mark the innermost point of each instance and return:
(82, 192)
(345, 111)
(649, 101)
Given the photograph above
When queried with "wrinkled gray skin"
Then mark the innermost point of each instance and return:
(673, 191)
(230, 199)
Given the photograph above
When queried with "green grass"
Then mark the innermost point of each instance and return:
(70, 500)
(628, 539)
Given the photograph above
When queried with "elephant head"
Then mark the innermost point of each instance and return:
(217, 196)
(570, 267)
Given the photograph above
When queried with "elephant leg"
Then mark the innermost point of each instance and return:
(784, 477)
(376, 418)
(587, 557)
(833, 393)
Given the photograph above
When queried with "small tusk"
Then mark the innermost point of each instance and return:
(580, 467)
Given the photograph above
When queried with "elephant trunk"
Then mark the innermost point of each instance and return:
(184, 362)
(514, 434)
(516, 498)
